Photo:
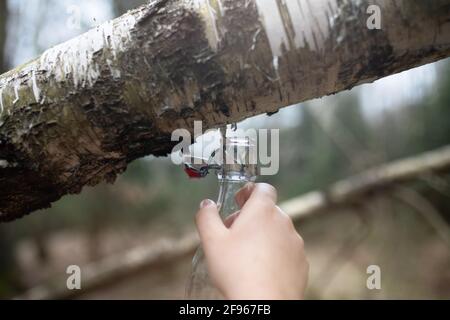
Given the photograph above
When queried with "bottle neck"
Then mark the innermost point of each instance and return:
(239, 166)
(226, 201)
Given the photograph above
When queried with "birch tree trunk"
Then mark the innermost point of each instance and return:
(82, 111)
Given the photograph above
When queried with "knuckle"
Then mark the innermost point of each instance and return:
(267, 189)
(285, 218)
(265, 204)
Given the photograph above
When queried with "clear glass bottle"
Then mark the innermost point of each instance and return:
(239, 168)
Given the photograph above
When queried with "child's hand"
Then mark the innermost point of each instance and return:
(257, 253)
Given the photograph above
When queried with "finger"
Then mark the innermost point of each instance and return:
(209, 224)
(262, 194)
(230, 219)
(281, 212)
(244, 193)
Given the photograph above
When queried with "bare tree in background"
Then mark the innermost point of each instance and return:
(122, 6)
(3, 23)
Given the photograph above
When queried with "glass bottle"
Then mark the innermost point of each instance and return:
(239, 168)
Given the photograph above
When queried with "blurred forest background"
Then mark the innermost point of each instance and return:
(153, 204)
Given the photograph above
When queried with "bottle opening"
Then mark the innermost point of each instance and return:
(239, 160)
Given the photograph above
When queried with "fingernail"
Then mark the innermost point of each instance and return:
(206, 203)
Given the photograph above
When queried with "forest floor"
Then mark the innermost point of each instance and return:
(415, 263)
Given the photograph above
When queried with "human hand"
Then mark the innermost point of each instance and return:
(256, 253)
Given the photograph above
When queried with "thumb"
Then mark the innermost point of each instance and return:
(209, 224)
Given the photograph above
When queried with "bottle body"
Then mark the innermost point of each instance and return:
(200, 285)
(238, 167)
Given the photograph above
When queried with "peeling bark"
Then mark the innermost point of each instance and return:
(82, 111)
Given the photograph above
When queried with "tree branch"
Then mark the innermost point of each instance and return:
(82, 111)
(354, 190)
